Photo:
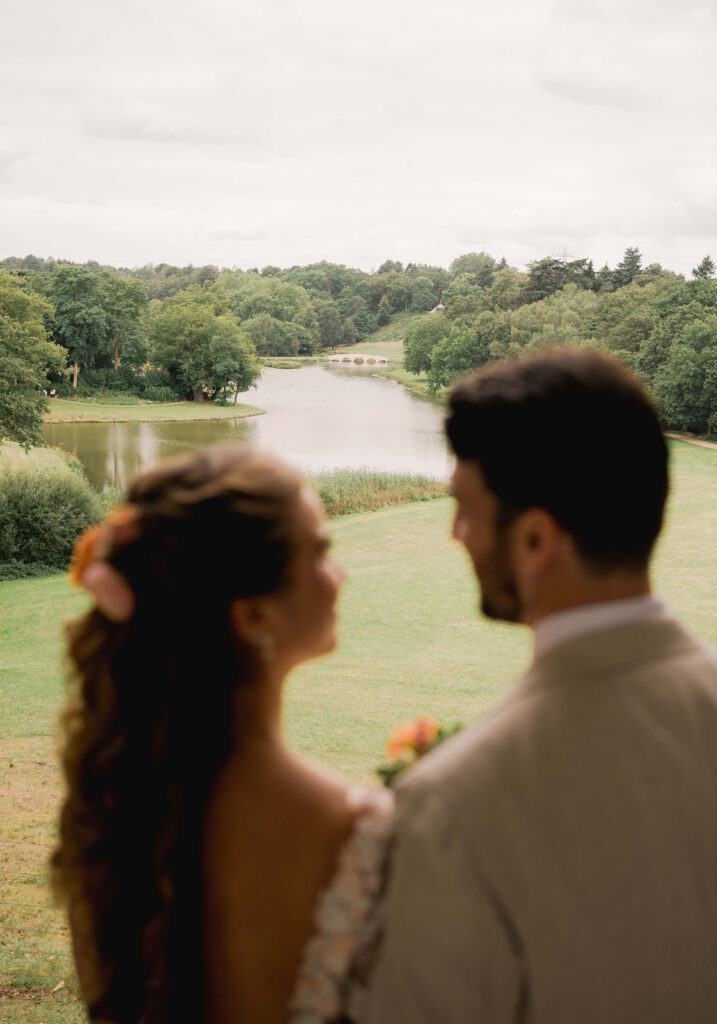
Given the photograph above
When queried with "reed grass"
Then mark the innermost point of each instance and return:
(363, 490)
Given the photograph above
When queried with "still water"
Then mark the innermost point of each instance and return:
(318, 417)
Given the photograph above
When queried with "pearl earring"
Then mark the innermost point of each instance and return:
(267, 645)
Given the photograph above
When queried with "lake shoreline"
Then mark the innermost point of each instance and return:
(108, 413)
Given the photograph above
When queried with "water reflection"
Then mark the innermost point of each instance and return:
(319, 417)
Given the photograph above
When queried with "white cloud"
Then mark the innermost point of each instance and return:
(296, 130)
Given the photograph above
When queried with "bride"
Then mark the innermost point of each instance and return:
(210, 873)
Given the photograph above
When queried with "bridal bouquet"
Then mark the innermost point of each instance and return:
(410, 741)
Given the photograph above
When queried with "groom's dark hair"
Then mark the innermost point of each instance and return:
(574, 432)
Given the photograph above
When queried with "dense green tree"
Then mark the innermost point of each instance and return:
(506, 290)
(623, 319)
(463, 307)
(680, 303)
(705, 268)
(272, 337)
(231, 360)
(378, 286)
(701, 334)
(26, 355)
(352, 306)
(80, 322)
(478, 267)
(383, 314)
(422, 337)
(349, 334)
(605, 279)
(364, 320)
(125, 303)
(423, 296)
(463, 285)
(330, 326)
(399, 292)
(679, 388)
(464, 349)
(164, 280)
(545, 277)
(628, 268)
(581, 273)
(555, 320)
(655, 273)
(324, 280)
(675, 307)
(439, 276)
(250, 295)
(199, 342)
(390, 267)
(708, 359)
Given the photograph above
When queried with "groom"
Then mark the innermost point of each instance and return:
(557, 862)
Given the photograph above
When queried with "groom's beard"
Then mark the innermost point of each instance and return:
(500, 596)
(503, 602)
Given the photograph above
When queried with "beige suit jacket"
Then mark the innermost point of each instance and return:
(557, 862)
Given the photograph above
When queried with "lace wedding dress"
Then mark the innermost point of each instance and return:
(332, 983)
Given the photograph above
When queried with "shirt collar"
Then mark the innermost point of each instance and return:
(555, 630)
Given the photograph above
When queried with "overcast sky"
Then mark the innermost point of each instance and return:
(243, 133)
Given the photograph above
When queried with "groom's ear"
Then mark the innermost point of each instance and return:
(538, 540)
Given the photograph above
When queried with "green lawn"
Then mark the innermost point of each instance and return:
(388, 340)
(13, 456)
(74, 410)
(411, 643)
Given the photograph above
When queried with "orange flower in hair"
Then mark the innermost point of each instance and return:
(85, 550)
(88, 568)
(119, 527)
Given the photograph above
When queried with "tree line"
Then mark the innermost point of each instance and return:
(167, 332)
(661, 325)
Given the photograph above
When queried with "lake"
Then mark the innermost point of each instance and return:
(317, 417)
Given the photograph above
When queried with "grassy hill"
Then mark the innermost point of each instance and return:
(388, 341)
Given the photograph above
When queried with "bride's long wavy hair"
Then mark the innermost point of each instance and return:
(151, 722)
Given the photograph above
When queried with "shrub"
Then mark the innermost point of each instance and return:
(15, 570)
(42, 513)
(158, 394)
(125, 378)
(159, 379)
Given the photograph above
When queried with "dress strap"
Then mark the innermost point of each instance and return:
(346, 914)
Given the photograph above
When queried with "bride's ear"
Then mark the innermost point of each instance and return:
(250, 619)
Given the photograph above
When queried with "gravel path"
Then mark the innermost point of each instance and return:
(690, 440)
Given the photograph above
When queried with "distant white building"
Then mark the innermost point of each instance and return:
(439, 308)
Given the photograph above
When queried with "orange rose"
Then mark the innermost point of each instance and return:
(412, 737)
